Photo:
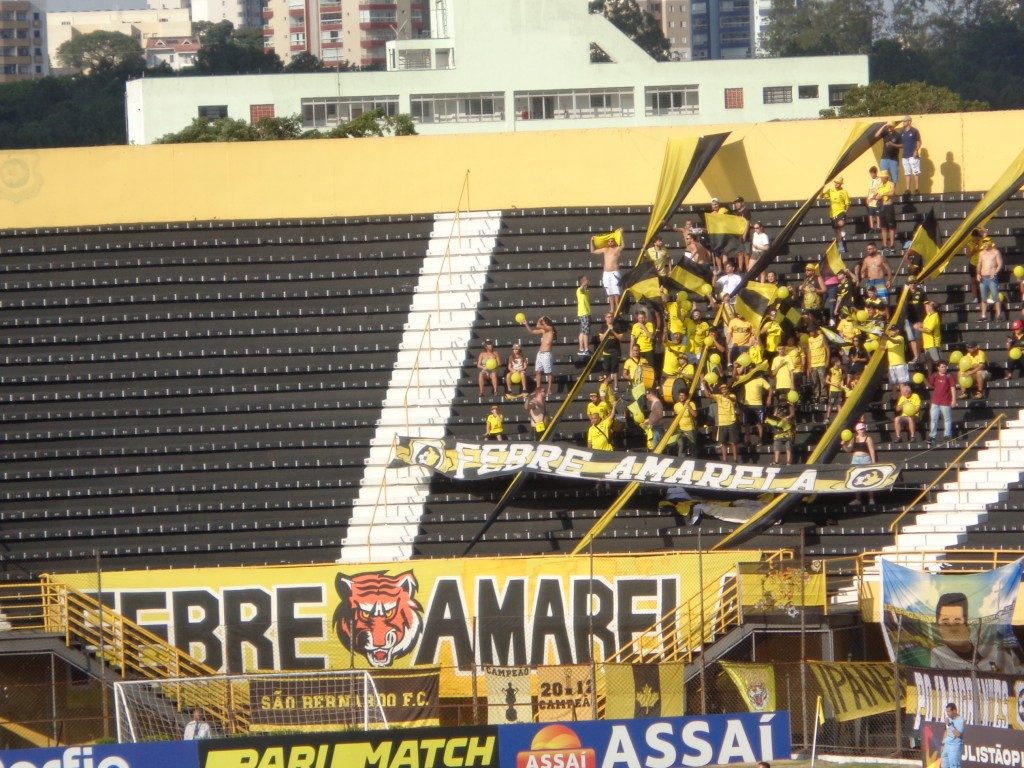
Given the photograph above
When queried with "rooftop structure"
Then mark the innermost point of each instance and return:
(511, 67)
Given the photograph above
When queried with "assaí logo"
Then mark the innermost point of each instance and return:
(73, 757)
(556, 746)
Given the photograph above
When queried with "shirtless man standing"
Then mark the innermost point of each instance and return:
(874, 272)
(610, 279)
(990, 264)
(544, 362)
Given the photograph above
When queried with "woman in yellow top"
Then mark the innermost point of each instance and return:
(812, 290)
(495, 429)
(771, 332)
(931, 331)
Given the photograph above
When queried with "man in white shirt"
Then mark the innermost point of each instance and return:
(759, 242)
(197, 727)
(728, 282)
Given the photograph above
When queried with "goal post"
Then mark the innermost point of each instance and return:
(247, 704)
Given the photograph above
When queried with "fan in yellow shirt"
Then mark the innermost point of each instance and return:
(907, 408)
(495, 428)
(599, 436)
(726, 422)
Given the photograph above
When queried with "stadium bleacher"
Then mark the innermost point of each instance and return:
(206, 393)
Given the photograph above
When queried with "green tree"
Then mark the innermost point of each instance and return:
(101, 50)
(881, 98)
(638, 25)
(305, 62)
(227, 51)
(817, 28)
(373, 123)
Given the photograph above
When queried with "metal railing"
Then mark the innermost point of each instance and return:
(955, 464)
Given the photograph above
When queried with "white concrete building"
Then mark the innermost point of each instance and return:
(511, 66)
(241, 13)
(141, 24)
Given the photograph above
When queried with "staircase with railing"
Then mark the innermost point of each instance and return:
(82, 622)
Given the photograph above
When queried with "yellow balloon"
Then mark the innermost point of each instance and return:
(911, 409)
(965, 364)
(705, 290)
(966, 382)
(520, 318)
(685, 306)
(743, 360)
(954, 359)
(793, 397)
(1002, 297)
(1015, 353)
(919, 378)
(846, 435)
(1018, 272)
(709, 341)
(491, 364)
(516, 378)
(871, 345)
(714, 359)
(862, 316)
(782, 294)
(711, 379)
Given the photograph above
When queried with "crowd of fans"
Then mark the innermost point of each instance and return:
(767, 374)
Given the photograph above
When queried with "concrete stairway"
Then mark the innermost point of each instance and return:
(387, 512)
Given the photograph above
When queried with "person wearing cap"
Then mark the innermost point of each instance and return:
(717, 207)
(974, 363)
(495, 428)
(878, 309)
(931, 331)
(488, 370)
(910, 143)
(887, 209)
(597, 405)
(1015, 341)
(890, 162)
(599, 435)
(862, 449)
(838, 204)
(990, 264)
(942, 384)
(953, 736)
(812, 291)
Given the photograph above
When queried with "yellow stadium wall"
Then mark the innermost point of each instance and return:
(421, 174)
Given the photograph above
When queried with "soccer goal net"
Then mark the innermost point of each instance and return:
(236, 705)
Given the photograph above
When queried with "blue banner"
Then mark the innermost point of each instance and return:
(161, 754)
(669, 741)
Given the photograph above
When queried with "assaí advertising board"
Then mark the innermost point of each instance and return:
(653, 743)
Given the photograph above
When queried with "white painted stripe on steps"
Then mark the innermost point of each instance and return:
(386, 514)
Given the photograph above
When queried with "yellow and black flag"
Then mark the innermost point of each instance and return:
(755, 299)
(644, 690)
(642, 282)
(834, 259)
(987, 207)
(691, 276)
(608, 239)
(726, 231)
(925, 242)
(859, 141)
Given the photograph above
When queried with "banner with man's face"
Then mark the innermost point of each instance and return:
(952, 621)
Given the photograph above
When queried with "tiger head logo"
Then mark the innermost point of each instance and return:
(378, 615)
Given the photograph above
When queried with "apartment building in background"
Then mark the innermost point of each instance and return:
(22, 41)
(701, 30)
(335, 31)
(142, 25)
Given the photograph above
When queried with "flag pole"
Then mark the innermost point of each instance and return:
(818, 712)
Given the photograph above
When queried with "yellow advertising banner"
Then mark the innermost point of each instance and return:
(856, 689)
(756, 684)
(448, 613)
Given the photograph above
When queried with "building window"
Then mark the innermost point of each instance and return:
(575, 104)
(778, 94)
(328, 112)
(808, 91)
(734, 98)
(458, 107)
(837, 94)
(671, 100)
(213, 112)
(259, 111)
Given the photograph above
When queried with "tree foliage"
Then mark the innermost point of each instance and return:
(101, 50)
(915, 98)
(227, 51)
(974, 48)
(373, 123)
(305, 62)
(638, 25)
